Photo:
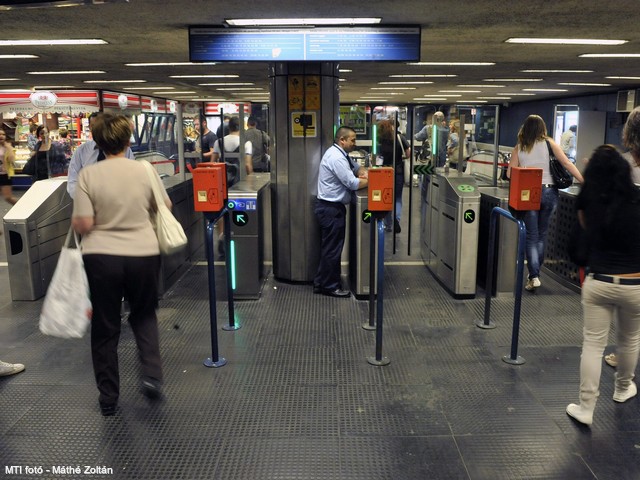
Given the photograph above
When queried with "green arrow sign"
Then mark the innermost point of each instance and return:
(469, 216)
(366, 216)
(423, 169)
(240, 218)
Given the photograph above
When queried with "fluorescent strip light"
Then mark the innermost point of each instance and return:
(406, 83)
(115, 81)
(440, 99)
(482, 86)
(342, 79)
(612, 78)
(14, 90)
(344, 70)
(18, 56)
(545, 90)
(423, 76)
(494, 98)
(565, 41)
(68, 72)
(512, 80)
(454, 64)
(460, 91)
(227, 84)
(182, 92)
(610, 55)
(53, 87)
(204, 76)
(149, 88)
(168, 64)
(380, 94)
(576, 84)
(240, 89)
(255, 22)
(393, 88)
(556, 71)
(201, 99)
(77, 41)
(471, 102)
(8, 79)
(517, 94)
(429, 96)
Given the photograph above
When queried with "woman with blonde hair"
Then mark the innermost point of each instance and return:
(7, 157)
(532, 151)
(112, 210)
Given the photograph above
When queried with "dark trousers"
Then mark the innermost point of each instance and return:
(332, 219)
(110, 277)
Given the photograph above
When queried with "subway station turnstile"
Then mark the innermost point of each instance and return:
(34, 231)
(450, 213)
(360, 245)
(506, 248)
(249, 206)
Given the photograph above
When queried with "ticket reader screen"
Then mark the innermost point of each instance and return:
(380, 193)
(209, 187)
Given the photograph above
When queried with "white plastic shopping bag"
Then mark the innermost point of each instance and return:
(66, 311)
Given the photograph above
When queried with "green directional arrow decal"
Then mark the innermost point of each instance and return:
(366, 216)
(469, 216)
(423, 169)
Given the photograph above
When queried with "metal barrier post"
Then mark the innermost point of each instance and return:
(230, 259)
(513, 358)
(215, 360)
(371, 325)
(379, 360)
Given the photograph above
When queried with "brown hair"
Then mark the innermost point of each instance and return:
(532, 130)
(385, 131)
(112, 133)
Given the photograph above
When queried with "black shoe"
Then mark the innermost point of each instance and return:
(109, 409)
(317, 289)
(396, 226)
(151, 388)
(338, 292)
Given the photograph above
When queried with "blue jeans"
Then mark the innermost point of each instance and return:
(537, 224)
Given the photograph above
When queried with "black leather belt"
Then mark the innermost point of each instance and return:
(548, 185)
(616, 280)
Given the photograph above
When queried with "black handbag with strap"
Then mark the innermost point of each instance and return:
(561, 176)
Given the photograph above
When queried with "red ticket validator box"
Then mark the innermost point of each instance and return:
(380, 191)
(525, 188)
(209, 187)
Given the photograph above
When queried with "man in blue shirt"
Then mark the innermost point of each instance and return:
(86, 154)
(338, 177)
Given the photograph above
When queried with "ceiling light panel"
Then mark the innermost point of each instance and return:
(169, 64)
(269, 22)
(423, 76)
(556, 71)
(454, 64)
(69, 72)
(204, 76)
(610, 55)
(115, 81)
(565, 41)
(68, 41)
(512, 80)
(576, 84)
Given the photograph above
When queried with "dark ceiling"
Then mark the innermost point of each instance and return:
(452, 31)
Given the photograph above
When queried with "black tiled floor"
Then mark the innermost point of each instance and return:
(298, 400)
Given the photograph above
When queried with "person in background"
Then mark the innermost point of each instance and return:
(608, 208)
(7, 158)
(113, 210)
(338, 177)
(223, 129)
(206, 140)
(453, 145)
(393, 146)
(87, 154)
(531, 151)
(232, 145)
(568, 143)
(260, 145)
(7, 369)
(65, 144)
(49, 157)
(442, 134)
(32, 138)
(631, 140)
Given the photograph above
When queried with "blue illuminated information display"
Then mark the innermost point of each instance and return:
(311, 44)
(243, 205)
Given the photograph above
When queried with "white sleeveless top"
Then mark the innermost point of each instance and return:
(538, 157)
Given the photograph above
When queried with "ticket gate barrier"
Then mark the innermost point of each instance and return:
(361, 222)
(250, 210)
(450, 233)
(34, 230)
(504, 265)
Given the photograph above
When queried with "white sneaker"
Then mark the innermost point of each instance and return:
(7, 369)
(578, 413)
(532, 284)
(624, 395)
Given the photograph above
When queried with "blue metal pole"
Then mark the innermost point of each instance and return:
(514, 358)
(379, 360)
(372, 277)
(215, 360)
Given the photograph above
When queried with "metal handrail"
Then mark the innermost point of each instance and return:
(513, 358)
